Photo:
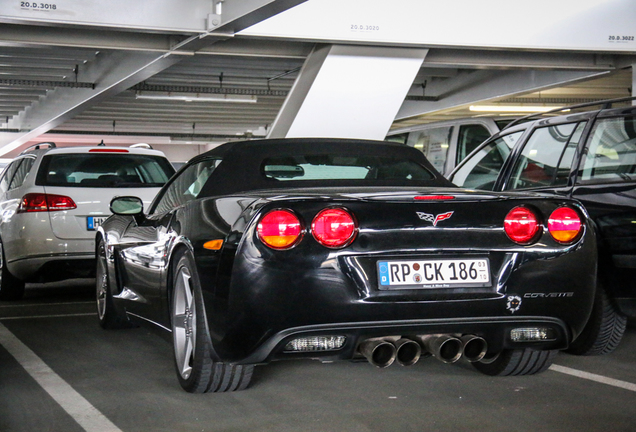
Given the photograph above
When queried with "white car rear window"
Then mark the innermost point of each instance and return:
(104, 170)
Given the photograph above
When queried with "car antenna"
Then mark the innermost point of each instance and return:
(101, 144)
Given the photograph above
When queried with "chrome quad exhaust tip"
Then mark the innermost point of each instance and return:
(473, 347)
(379, 352)
(408, 352)
(446, 348)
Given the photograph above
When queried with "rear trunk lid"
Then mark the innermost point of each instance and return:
(92, 209)
(91, 177)
(407, 235)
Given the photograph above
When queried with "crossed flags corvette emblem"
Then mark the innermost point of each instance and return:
(434, 219)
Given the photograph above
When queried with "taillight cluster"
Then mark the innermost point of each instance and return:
(41, 202)
(336, 227)
(280, 229)
(522, 225)
(331, 227)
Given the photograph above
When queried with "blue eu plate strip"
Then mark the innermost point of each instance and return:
(383, 271)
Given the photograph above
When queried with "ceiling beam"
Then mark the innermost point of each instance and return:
(115, 71)
(482, 85)
(15, 35)
(233, 16)
(474, 58)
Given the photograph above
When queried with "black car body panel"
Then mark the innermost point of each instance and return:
(600, 173)
(257, 298)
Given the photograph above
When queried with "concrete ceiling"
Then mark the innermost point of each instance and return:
(43, 68)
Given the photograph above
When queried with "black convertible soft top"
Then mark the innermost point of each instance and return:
(244, 164)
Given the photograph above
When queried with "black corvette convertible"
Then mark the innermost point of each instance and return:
(342, 249)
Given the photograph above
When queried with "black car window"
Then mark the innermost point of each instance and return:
(21, 173)
(542, 154)
(342, 167)
(186, 186)
(567, 158)
(8, 173)
(611, 152)
(481, 170)
(104, 170)
(470, 136)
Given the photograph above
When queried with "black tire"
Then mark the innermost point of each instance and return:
(196, 370)
(516, 362)
(603, 331)
(11, 288)
(106, 312)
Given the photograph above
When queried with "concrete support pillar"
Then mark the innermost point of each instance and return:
(634, 83)
(348, 92)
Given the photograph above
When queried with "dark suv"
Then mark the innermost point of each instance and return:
(589, 156)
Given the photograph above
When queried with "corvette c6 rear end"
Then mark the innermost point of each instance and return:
(517, 274)
(343, 250)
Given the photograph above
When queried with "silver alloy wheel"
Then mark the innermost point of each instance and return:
(184, 321)
(101, 281)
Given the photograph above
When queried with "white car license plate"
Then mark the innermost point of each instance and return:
(93, 222)
(445, 273)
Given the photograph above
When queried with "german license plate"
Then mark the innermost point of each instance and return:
(93, 222)
(446, 273)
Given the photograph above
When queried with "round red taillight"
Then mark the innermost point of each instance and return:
(334, 228)
(279, 229)
(564, 225)
(521, 225)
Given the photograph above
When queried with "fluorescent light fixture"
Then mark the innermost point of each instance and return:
(197, 97)
(511, 108)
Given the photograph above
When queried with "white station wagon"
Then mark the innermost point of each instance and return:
(52, 200)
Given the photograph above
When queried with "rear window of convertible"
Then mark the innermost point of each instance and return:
(342, 167)
(104, 170)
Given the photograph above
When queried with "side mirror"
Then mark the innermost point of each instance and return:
(127, 206)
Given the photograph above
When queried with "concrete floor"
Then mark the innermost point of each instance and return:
(125, 381)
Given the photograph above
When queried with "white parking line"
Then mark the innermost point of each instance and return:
(48, 316)
(594, 377)
(71, 401)
(30, 305)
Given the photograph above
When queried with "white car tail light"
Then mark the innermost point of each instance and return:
(39, 202)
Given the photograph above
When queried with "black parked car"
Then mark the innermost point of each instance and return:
(342, 249)
(590, 156)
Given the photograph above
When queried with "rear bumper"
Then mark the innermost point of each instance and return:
(270, 300)
(53, 267)
(34, 254)
(496, 332)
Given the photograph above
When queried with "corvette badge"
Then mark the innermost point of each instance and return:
(434, 219)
